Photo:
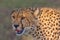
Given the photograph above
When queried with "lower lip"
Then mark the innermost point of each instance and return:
(20, 31)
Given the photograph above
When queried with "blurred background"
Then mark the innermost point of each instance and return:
(6, 6)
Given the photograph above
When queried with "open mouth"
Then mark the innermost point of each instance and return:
(19, 32)
(23, 31)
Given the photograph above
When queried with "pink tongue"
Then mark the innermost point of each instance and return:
(17, 30)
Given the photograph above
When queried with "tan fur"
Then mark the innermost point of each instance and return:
(48, 19)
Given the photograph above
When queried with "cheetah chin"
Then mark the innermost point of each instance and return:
(20, 32)
(23, 31)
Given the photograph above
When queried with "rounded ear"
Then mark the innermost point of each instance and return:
(36, 12)
(12, 12)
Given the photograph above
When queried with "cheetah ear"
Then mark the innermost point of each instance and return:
(36, 12)
(12, 12)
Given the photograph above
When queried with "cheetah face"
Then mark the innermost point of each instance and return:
(21, 20)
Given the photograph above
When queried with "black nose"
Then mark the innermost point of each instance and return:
(16, 26)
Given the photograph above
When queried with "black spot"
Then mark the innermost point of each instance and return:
(44, 38)
(59, 25)
(51, 20)
(40, 23)
(38, 37)
(32, 29)
(41, 39)
(38, 26)
(36, 18)
(33, 34)
(58, 15)
(42, 34)
(40, 31)
(30, 32)
(56, 23)
(41, 10)
(51, 31)
(39, 17)
(52, 35)
(55, 14)
(51, 38)
(51, 12)
(55, 33)
(47, 38)
(57, 18)
(59, 21)
(44, 23)
(46, 10)
(53, 17)
(37, 29)
(50, 15)
(48, 23)
(57, 28)
(43, 30)
(46, 20)
(53, 28)
(48, 32)
(36, 34)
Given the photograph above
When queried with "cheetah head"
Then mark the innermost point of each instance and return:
(23, 19)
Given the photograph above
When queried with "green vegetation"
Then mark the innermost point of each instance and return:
(27, 3)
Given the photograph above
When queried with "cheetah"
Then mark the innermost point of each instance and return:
(40, 23)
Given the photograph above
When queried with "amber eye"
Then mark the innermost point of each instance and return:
(22, 18)
(13, 17)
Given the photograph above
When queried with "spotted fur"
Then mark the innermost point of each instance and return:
(45, 22)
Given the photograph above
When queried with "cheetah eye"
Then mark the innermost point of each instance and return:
(22, 18)
(13, 17)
